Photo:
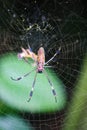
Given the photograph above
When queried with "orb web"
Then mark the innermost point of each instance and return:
(25, 23)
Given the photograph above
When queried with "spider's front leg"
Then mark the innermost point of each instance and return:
(53, 56)
(19, 78)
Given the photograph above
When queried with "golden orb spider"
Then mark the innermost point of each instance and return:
(39, 59)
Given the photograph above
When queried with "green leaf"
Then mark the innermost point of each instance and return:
(13, 123)
(76, 118)
(4, 108)
(16, 93)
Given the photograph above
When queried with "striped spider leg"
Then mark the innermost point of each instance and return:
(53, 56)
(31, 92)
(21, 77)
(53, 90)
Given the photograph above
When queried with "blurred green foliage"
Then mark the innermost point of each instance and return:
(13, 123)
(4, 108)
(15, 93)
(76, 118)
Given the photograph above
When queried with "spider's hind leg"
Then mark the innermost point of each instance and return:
(53, 90)
(31, 92)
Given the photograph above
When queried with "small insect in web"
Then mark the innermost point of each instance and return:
(39, 60)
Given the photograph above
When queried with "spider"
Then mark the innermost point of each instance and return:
(39, 59)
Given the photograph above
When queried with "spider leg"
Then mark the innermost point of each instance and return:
(50, 66)
(53, 56)
(26, 61)
(53, 90)
(29, 48)
(31, 92)
(19, 78)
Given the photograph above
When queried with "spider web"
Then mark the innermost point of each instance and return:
(36, 24)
